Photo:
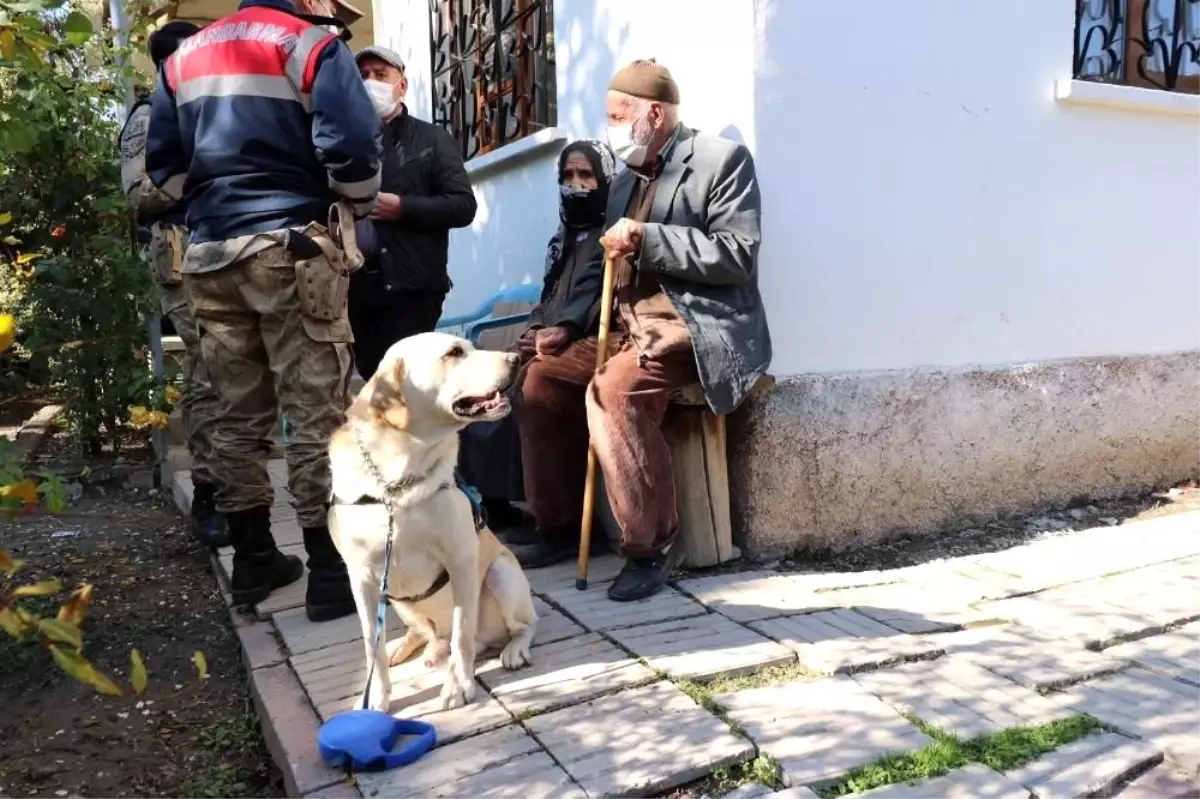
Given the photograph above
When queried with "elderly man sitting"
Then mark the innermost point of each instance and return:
(684, 233)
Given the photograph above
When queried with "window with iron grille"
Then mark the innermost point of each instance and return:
(493, 70)
(1153, 44)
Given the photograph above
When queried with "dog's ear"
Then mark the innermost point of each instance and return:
(387, 396)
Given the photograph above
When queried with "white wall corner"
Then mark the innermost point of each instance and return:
(517, 152)
(1129, 98)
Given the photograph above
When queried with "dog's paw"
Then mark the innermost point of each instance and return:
(401, 650)
(436, 653)
(515, 655)
(456, 694)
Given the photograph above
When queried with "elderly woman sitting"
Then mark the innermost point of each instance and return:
(490, 456)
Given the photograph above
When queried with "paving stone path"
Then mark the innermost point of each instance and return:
(1104, 621)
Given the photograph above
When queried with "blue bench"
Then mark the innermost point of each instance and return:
(474, 324)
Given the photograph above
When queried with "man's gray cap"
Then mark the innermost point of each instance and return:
(383, 54)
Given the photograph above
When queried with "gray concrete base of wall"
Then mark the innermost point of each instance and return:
(839, 461)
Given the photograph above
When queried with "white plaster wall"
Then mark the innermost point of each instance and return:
(927, 202)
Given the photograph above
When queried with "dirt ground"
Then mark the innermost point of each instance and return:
(154, 591)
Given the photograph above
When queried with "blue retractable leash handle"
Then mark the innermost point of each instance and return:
(363, 739)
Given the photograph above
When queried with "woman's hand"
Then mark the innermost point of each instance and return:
(551, 340)
(387, 207)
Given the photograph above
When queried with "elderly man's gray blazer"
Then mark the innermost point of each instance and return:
(701, 242)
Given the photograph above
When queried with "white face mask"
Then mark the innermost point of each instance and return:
(621, 140)
(382, 97)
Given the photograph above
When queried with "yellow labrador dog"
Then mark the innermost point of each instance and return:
(448, 579)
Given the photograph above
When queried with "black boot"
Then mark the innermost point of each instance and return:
(547, 546)
(258, 565)
(208, 526)
(329, 596)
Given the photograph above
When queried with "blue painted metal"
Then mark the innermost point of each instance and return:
(473, 324)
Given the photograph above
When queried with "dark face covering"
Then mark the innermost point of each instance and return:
(582, 207)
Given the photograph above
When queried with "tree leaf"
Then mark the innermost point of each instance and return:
(137, 671)
(53, 491)
(60, 632)
(22, 491)
(201, 664)
(8, 564)
(44, 588)
(76, 608)
(5, 217)
(8, 45)
(12, 624)
(77, 27)
(78, 667)
(28, 257)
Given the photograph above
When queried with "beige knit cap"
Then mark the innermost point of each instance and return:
(648, 80)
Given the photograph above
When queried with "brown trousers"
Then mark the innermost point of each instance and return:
(623, 407)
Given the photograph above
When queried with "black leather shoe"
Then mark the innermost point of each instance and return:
(328, 596)
(645, 577)
(541, 548)
(258, 566)
(543, 552)
(208, 526)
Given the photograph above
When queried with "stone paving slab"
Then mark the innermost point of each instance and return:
(759, 791)
(504, 763)
(552, 625)
(1110, 550)
(602, 569)
(960, 697)
(1164, 781)
(913, 608)
(1140, 703)
(415, 694)
(967, 577)
(563, 673)
(638, 742)
(702, 647)
(839, 641)
(749, 596)
(975, 781)
(333, 678)
(1176, 654)
(1094, 614)
(1087, 767)
(1027, 656)
(594, 610)
(820, 730)
(300, 635)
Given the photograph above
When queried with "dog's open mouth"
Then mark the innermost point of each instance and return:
(470, 407)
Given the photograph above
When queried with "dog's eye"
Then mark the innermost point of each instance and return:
(456, 352)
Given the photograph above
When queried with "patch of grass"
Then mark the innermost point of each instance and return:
(235, 758)
(788, 672)
(1002, 751)
(762, 769)
(239, 732)
(220, 781)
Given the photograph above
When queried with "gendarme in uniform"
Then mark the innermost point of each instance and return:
(264, 117)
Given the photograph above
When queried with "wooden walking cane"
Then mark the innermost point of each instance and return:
(589, 483)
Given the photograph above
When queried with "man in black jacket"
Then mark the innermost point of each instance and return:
(425, 192)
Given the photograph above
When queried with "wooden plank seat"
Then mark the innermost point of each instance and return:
(699, 459)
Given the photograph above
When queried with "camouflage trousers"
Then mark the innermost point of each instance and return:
(199, 405)
(264, 356)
